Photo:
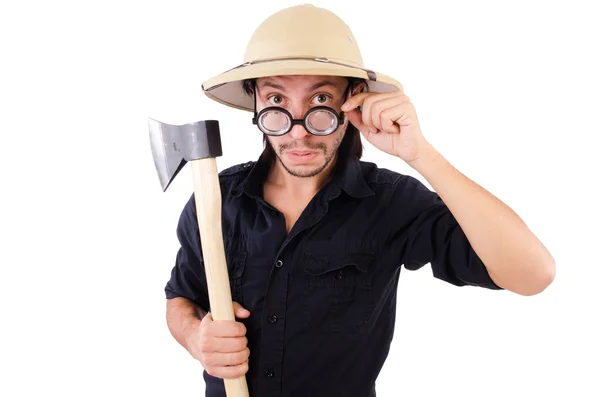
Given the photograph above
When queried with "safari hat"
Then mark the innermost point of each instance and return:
(299, 40)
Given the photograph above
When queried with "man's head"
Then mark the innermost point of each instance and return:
(281, 45)
(301, 153)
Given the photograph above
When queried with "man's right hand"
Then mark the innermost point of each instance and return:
(221, 346)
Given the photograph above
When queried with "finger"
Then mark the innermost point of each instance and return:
(207, 345)
(232, 372)
(367, 116)
(370, 115)
(240, 311)
(355, 117)
(226, 329)
(387, 120)
(229, 345)
(378, 107)
(398, 115)
(390, 115)
(355, 101)
(219, 359)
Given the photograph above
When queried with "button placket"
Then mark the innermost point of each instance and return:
(272, 344)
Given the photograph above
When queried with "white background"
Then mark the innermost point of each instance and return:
(507, 91)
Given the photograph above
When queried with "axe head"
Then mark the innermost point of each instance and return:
(174, 145)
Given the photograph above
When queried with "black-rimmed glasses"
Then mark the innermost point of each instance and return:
(277, 121)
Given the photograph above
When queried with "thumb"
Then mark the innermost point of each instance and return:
(355, 117)
(239, 311)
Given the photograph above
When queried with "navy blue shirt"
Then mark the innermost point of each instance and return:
(323, 297)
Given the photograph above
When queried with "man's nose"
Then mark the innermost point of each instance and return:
(298, 131)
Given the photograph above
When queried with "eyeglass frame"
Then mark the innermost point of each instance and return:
(302, 121)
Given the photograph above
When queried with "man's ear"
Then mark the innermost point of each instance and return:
(359, 88)
(249, 86)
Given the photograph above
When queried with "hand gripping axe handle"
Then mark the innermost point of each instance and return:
(200, 143)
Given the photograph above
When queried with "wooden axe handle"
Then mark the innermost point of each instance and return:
(207, 191)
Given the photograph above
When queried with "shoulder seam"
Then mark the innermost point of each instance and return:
(387, 177)
(235, 169)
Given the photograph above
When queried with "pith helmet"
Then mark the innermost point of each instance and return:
(299, 40)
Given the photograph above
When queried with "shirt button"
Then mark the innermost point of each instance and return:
(269, 373)
(339, 275)
(272, 319)
(279, 263)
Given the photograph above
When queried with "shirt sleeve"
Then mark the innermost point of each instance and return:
(431, 234)
(188, 277)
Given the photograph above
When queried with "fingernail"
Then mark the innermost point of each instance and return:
(372, 130)
(345, 106)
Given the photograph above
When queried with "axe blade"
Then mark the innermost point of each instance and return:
(174, 145)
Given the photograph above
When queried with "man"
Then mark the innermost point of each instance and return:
(315, 238)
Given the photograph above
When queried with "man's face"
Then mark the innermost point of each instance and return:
(301, 153)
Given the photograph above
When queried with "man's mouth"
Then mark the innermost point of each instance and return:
(301, 153)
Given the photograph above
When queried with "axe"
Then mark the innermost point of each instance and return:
(200, 143)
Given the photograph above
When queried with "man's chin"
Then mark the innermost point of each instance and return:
(302, 170)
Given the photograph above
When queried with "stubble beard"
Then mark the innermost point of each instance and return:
(329, 156)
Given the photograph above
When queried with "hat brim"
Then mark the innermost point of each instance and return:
(227, 88)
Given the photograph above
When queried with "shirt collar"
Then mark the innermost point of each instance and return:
(346, 176)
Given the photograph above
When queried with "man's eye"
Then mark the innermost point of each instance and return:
(322, 98)
(276, 99)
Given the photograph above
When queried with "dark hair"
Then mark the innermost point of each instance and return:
(351, 147)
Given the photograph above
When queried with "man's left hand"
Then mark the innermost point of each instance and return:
(388, 121)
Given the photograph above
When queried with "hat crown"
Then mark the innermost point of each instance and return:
(303, 31)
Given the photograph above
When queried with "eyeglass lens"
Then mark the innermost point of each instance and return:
(275, 121)
(320, 121)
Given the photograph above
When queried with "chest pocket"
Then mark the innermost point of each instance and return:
(338, 296)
